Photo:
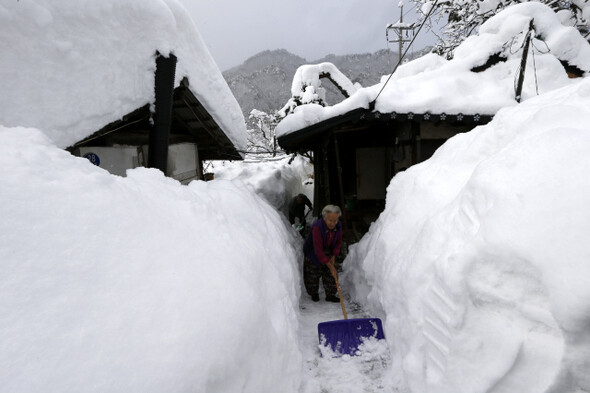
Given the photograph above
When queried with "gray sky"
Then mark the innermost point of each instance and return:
(235, 30)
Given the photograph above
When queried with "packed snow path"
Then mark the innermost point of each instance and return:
(356, 374)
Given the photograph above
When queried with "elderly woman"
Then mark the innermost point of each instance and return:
(321, 248)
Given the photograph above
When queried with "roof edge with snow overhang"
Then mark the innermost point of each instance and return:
(305, 138)
(83, 67)
(476, 83)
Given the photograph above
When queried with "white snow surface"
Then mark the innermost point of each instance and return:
(307, 89)
(138, 283)
(273, 179)
(480, 261)
(70, 68)
(309, 75)
(432, 84)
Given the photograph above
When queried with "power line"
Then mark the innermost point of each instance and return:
(372, 103)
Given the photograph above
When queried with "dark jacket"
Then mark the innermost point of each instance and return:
(297, 210)
(317, 247)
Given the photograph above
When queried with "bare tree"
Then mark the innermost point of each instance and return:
(261, 133)
(463, 17)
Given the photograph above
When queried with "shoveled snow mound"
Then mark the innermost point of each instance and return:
(72, 67)
(275, 179)
(139, 284)
(480, 260)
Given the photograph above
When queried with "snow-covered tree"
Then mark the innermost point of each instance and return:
(465, 16)
(307, 86)
(261, 133)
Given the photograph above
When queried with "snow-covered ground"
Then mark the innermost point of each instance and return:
(478, 266)
(367, 372)
(276, 181)
(480, 262)
(140, 284)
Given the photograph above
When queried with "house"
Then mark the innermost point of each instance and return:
(359, 144)
(124, 84)
(190, 137)
(356, 154)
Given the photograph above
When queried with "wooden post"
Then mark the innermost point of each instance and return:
(525, 53)
(317, 180)
(160, 132)
(340, 185)
(416, 143)
(326, 179)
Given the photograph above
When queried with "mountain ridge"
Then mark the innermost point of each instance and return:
(264, 80)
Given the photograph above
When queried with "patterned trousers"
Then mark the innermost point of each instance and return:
(311, 278)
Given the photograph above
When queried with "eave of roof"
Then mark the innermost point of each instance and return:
(202, 125)
(304, 138)
(295, 140)
(191, 123)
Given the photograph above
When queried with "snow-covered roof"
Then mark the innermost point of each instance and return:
(469, 83)
(306, 86)
(71, 68)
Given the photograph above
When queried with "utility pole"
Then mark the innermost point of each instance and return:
(399, 28)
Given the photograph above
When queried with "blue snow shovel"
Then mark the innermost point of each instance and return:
(345, 336)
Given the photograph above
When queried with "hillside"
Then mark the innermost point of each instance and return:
(264, 81)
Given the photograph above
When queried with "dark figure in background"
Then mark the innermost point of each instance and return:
(321, 248)
(297, 208)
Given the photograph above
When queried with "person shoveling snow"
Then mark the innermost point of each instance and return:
(321, 248)
(297, 212)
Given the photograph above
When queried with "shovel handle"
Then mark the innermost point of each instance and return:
(335, 275)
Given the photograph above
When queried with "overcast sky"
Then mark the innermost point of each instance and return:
(235, 30)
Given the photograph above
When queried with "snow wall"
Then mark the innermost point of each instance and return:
(276, 179)
(139, 284)
(480, 261)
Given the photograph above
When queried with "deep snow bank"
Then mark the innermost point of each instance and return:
(480, 260)
(277, 180)
(139, 284)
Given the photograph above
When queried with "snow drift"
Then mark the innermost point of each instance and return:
(276, 180)
(139, 284)
(480, 261)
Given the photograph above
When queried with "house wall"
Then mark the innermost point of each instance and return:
(183, 159)
(183, 162)
(115, 159)
(368, 157)
(373, 172)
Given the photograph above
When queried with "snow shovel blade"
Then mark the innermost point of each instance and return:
(345, 336)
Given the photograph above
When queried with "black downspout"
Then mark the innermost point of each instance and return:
(160, 132)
